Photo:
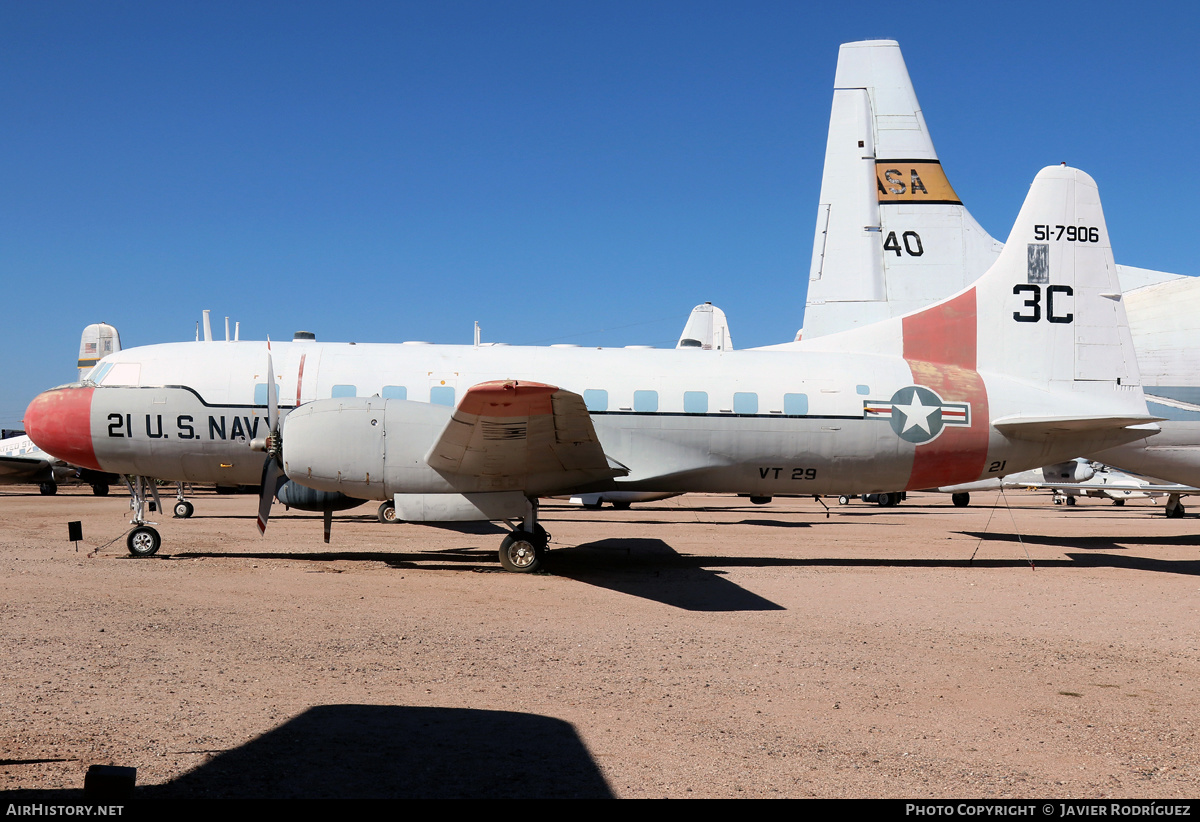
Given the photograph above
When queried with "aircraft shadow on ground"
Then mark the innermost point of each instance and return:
(390, 752)
(652, 569)
(1107, 544)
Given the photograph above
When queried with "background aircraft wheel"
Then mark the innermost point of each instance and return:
(100, 489)
(1070, 500)
(843, 500)
(48, 489)
(884, 500)
(961, 500)
(387, 512)
(184, 509)
(522, 552)
(143, 541)
(1176, 512)
(622, 506)
(1118, 502)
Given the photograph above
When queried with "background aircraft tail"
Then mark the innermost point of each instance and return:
(887, 210)
(97, 340)
(892, 235)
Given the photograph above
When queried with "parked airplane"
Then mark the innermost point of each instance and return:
(1030, 365)
(893, 236)
(23, 462)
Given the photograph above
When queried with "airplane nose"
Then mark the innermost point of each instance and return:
(59, 422)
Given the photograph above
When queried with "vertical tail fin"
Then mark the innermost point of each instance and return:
(97, 340)
(892, 235)
(887, 208)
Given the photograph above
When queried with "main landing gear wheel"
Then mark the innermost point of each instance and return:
(100, 489)
(1070, 500)
(184, 509)
(143, 541)
(887, 500)
(961, 500)
(1175, 512)
(387, 513)
(522, 551)
(48, 489)
(1118, 502)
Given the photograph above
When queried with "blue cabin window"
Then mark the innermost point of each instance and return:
(260, 394)
(394, 392)
(645, 401)
(442, 395)
(596, 399)
(745, 402)
(695, 402)
(344, 391)
(863, 389)
(795, 405)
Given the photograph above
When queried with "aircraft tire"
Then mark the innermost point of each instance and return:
(886, 500)
(48, 489)
(143, 541)
(594, 506)
(184, 509)
(387, 513)
(1118, 502)
(522, 552)
(961, 500)
(1070, 500)
(622, 506)
(100, 489)
(843, 500)
(1174, 513)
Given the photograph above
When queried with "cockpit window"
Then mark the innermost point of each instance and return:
(123, 373)
(96, 375)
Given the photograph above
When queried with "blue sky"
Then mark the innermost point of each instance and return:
(558, 171)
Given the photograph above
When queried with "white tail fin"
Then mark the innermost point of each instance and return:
(891, 235)
(1063, 320)
(1047, 314)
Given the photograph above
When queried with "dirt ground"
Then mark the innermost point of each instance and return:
(697, 647)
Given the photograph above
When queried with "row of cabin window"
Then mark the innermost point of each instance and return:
(695, 402)
(596, 399)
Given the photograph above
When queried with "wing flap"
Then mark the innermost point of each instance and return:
(524, 435)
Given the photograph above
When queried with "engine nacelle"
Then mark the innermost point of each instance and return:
(295, 495)
(1072, 471)
(365, 447)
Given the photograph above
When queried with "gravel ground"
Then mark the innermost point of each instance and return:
(698, 647)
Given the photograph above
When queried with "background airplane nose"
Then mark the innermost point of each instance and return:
(60, 423)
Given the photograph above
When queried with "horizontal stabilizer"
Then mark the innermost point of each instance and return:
(1040, 428)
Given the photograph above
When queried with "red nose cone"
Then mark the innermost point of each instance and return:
(60, 423)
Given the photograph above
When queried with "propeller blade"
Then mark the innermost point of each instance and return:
(272, 394)
(271, 480)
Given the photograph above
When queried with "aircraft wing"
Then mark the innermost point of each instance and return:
(526, 433)
(1166, 488)
(25, 469)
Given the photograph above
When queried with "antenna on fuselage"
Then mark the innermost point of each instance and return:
(207, 326)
